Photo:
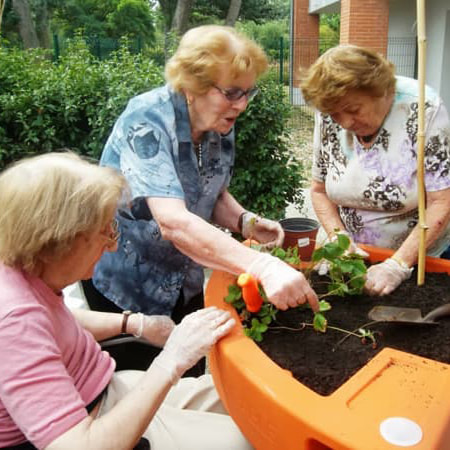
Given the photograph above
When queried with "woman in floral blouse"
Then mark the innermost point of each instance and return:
(365, 159)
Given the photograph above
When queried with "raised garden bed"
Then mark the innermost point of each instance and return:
(324, 361)
(275, 410)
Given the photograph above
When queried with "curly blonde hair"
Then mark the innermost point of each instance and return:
(343, 69)
(47, 200)
(205, 51)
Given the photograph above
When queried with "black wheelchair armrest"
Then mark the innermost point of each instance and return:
(123, 339)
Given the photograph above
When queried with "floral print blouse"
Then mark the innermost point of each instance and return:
(376, 187)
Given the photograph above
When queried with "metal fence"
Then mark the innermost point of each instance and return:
(100, 47)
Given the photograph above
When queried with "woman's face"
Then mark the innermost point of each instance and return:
(361, 113)
(213, 111)
(93, 245)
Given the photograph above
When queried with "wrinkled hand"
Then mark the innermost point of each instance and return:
(157, 329)
(284, 286)
(192, 339)
(267, 232)
(323, 267)
(383, 278)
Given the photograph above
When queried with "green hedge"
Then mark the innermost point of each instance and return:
(267, 175)
(72, 104)
(46, 106)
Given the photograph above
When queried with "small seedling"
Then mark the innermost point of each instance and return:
(346, 270)
(289, 256)
(254, 324)
(364, 334)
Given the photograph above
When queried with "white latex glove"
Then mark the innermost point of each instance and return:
(192, 339)
(284, 286)
(323, 267)
(156, 329)
(383, 278)
(267, 232)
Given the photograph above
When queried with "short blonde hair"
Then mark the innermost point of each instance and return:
(343, 69)
(47, 200)
(204, 51)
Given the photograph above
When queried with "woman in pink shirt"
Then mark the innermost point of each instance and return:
(58, 389)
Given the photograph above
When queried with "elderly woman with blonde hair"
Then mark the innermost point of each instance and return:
(365, 159)
(176, 146)
(58, 389)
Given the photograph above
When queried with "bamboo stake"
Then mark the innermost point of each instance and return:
(2, 8)
(421, 45)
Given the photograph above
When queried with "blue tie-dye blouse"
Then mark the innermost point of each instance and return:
(151, 145)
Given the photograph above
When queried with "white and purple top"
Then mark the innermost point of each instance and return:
(376, 187)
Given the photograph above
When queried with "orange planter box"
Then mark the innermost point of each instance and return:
(275, 411)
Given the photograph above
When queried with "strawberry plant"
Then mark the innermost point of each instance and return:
(346, 270)
(256, 321)
(290, 255)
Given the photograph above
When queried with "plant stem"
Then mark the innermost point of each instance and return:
(352, 333)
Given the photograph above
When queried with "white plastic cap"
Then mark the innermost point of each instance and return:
(401, 431)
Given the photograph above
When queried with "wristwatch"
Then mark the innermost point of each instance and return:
(125, 314)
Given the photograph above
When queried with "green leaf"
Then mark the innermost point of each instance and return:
(320, 322)
(324, 306)
(343, 241)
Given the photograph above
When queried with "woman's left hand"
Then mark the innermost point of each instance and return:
(156, 329)
(383, 278)
(267, 232)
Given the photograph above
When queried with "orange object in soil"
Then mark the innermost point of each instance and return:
(250, 292)
(395, 401)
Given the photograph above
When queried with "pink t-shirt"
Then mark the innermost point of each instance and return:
(50, 367)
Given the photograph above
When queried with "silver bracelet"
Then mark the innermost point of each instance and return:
(141, 325)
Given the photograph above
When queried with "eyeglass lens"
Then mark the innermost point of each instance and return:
(235, 94)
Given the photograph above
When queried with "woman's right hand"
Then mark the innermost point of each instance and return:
(284, 286)
(192, 339)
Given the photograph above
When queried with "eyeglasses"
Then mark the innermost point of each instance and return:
(235, 94)
(114, 233)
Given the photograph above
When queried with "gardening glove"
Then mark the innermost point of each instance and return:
(323, 267)
(383, 278)
(267, 232)
(156, 329)
(192, 339)
(284, 286)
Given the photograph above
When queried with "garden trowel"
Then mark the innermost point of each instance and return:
(408, 315)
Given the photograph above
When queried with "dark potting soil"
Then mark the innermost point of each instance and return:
(324, 361)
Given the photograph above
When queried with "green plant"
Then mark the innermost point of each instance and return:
(267, 177)
(74, 103)
(255, 324)
(364, 334)
(346, 270)
(290, 255)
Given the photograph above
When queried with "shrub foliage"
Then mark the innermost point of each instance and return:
(47, 106)
(71, 104)
(267, 176)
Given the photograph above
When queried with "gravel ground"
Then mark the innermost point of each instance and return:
(301, 140)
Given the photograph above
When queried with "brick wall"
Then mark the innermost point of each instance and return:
(306, 37)
(365, 23)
